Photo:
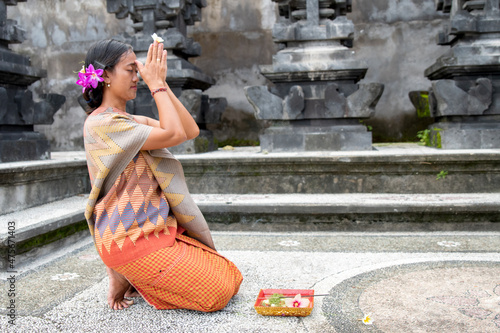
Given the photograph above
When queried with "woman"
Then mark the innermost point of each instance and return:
(147, 229)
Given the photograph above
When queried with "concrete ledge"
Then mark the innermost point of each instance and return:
(33, 183)
(392, 168)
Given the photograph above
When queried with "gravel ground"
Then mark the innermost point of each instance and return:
(384, 274)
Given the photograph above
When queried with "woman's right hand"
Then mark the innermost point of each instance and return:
(154, 71)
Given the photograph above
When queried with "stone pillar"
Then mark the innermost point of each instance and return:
(18, 112)
(315, 101)
(465, 95)
(169, 19)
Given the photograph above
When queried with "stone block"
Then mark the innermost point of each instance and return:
(362, 103)
(266, 104)
(463, 22)
(338, 141)
(191, 99)
(453, 101)
(470, 138)
(420, 100)
(316, 138)
(293, 104)
(215, 107)
(23, 146)
(282, 142)
(335, 102)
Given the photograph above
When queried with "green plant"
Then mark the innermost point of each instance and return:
(442, 175)
(236, 143)
(368, 127)
(424, 137)
(430, 138)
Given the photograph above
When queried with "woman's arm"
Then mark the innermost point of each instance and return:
(190, 126)
(147, 121)
(175, 124)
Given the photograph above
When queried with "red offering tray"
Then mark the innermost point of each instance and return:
(284, 310)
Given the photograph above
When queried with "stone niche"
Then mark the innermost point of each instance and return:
(464, 98)
(18, 112)
(314, 101)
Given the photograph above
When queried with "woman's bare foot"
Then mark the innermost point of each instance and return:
(132, 292)
(118, 287)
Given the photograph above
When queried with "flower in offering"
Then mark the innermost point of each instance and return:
(297, 302)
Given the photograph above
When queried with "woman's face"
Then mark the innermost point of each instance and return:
(123, 79)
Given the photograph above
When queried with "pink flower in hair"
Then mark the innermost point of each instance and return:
(94, 76)
(89, 78)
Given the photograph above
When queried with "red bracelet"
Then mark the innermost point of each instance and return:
(158, 90)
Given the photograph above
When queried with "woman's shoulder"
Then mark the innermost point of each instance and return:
(104, 115)
(109, 112)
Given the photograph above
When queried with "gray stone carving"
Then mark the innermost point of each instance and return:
(465, 93)
(315, 102)
(18, 112)
(169, 19)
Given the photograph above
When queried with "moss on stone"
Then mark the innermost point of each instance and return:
(49, 237)
(201, 144)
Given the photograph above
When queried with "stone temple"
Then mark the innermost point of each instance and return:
(465, 95)
(315, 102)
(18, 111)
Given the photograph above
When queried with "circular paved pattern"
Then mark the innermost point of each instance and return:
(452, 296)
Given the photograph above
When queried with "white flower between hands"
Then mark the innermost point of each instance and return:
(157, 38)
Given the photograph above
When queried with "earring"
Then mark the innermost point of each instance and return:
(109, 85)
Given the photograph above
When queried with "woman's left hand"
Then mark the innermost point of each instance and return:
(154, 71)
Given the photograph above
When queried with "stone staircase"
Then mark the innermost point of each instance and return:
(395, 187)
(42, 202)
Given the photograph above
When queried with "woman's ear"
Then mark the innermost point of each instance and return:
(105, 76)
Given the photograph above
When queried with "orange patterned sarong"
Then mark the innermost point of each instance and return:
(188, 275)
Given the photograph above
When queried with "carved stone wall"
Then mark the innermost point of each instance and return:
(396, 39)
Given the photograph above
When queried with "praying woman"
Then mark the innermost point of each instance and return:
(147, 229)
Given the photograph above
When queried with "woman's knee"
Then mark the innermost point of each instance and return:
(218, 298)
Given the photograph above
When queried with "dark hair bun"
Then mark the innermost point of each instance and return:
(104, 54)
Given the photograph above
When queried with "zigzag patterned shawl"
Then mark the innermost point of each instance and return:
(112, 140)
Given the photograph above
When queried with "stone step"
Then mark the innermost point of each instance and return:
(34, 183)
(26, 231)
(43, 228)
(389, 168)
(352, 212)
